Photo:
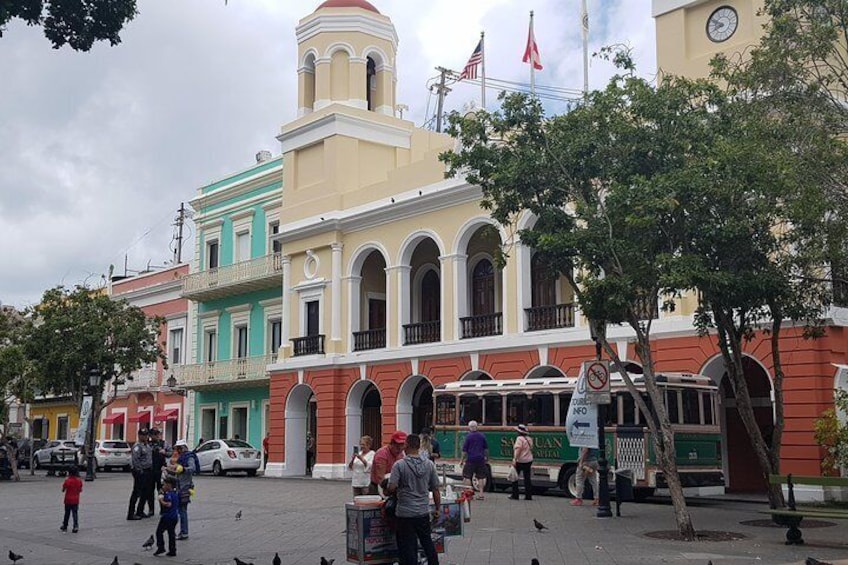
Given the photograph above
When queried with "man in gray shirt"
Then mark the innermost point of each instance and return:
(413, 479)
(142, 465)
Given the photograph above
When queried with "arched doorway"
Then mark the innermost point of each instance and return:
(363, 413)
(415, 404)
(301, 414)
(742, 472)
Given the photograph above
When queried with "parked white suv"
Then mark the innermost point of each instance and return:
(112, 453)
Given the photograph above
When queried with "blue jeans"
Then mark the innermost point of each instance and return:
(408, 534)
(71, 509)
(183, 519)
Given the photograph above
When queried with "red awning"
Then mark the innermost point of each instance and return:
(140, 417)
(170, 415)
(114, 418)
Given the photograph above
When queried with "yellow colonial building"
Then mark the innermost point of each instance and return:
(54, 417)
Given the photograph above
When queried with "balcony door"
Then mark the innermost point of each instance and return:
(376, 314)
(430, 297)
(312, 318)
(483, 288)
(543, 283)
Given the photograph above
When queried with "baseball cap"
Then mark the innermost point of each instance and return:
(399, 437)
(181, 443)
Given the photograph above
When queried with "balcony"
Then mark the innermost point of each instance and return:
(231, 371)
(369, 339)
(422, 332)
(143, 379)
(550, 317)
(238, 278)
(309, 345)
(482, 326)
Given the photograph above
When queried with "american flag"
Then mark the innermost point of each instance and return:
(470, 70)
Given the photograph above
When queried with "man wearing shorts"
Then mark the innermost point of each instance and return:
(475, 455)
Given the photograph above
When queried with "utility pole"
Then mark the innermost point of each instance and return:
(178, 252)
(441, 91)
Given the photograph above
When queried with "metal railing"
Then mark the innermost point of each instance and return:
(258, 269)
(144, 378)
(369, 339)
(481, 326)
(308, 345)
(225, 371)
(422, 332)
(550, 317)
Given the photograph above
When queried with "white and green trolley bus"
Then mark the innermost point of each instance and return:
(542, 405)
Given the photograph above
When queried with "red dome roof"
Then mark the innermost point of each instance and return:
(349, 4)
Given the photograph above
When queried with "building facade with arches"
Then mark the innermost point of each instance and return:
(387, 284)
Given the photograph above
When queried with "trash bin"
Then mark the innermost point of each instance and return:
(623, 488)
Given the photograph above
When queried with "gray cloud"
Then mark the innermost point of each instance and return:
(98, 149)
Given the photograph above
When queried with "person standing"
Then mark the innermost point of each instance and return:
(413, 479)
(429, 446)
(522, 460)
(310, 453)
(182, 467)
(475, 455)
(385, 458)
(169, 503)
(587, 464)
(265, 442)
(360, 465)
(72, 487)
(142, 465)
(161, 454)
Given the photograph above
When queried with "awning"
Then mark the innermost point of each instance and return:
(141, 417)
(114, 418)
(170, 415)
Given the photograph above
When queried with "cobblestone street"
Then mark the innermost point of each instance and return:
(304, 520)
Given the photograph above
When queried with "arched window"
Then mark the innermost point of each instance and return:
(370, 82)
(430, 297)
(483, 288)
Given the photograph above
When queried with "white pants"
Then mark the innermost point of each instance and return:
(580, 478)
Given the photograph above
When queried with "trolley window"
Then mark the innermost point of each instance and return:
(541, 412)
(691, 406)
(516, 409)
(470, 408)
(493, 410)
(446, 410)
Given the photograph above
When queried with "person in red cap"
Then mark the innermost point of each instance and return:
(385, 458)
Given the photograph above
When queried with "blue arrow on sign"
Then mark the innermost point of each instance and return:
(582, 424)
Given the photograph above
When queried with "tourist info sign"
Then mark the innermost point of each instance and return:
(597, 381)
(581, 423)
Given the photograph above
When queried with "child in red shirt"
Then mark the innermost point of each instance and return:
(72, 487)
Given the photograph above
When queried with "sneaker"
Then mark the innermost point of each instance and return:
(171, 554)
(133, 517)
(182, 537)
(159, 551)
(63, 528)
(577, 502)
(75, 530)
(513, 498)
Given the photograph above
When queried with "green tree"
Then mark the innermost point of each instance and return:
(77, 23)
(602, 182)
(16, 374)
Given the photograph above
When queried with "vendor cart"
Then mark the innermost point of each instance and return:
(370, 540)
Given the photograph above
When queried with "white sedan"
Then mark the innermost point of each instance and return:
(223, 455)
(112, 453)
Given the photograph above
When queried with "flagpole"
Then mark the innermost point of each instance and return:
(532, 65)
(483, 63)
(584, 20)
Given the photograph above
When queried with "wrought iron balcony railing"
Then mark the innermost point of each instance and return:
(369, 339)
(308, 345)
(422, 332)
(550, 317)
(481, 326)
(245, 276)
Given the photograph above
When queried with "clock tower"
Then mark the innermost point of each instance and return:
(691, 32)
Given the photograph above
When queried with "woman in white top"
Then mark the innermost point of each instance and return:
(360, 464)
(522, 460)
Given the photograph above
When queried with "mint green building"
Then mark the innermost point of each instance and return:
(236, 304)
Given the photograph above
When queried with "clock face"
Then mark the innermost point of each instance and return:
(722, 24)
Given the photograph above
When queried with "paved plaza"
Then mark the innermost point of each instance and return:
(303, 519)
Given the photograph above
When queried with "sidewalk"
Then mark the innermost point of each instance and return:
(304, 520)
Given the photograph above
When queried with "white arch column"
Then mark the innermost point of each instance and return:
(457, 266)
(403, 299)
(354, 302)
(336, 295)
(524, 289)
(285, 329)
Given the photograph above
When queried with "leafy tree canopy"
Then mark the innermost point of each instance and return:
(77, 23)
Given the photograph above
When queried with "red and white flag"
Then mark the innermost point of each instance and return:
(531, 52)
(470, 70)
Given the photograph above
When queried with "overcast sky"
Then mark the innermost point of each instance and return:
(98, 149)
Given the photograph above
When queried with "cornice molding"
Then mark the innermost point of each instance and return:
(662, 7)
(373, 25)
(336, 123)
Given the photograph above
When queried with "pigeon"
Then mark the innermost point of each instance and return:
(239, 561)
(238, 515)
(539, 526)
(325, 561)
(115, 561)
(277, 560)
(814, 561)
(148, 544)
(534, 561)
(15, 557)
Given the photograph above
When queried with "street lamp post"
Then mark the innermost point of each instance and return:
(172, 385)
(93, 382)
(604, 510)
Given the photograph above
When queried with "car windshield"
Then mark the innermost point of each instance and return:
(52, 444)
(116, 445)
(238, 443)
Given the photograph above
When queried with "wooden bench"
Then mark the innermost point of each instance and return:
(792, 514)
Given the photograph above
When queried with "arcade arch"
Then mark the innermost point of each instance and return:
(415, 404)
(299, 408)
(363, 413)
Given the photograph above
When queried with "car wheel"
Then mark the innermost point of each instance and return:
(217, 470)
(251, 472)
